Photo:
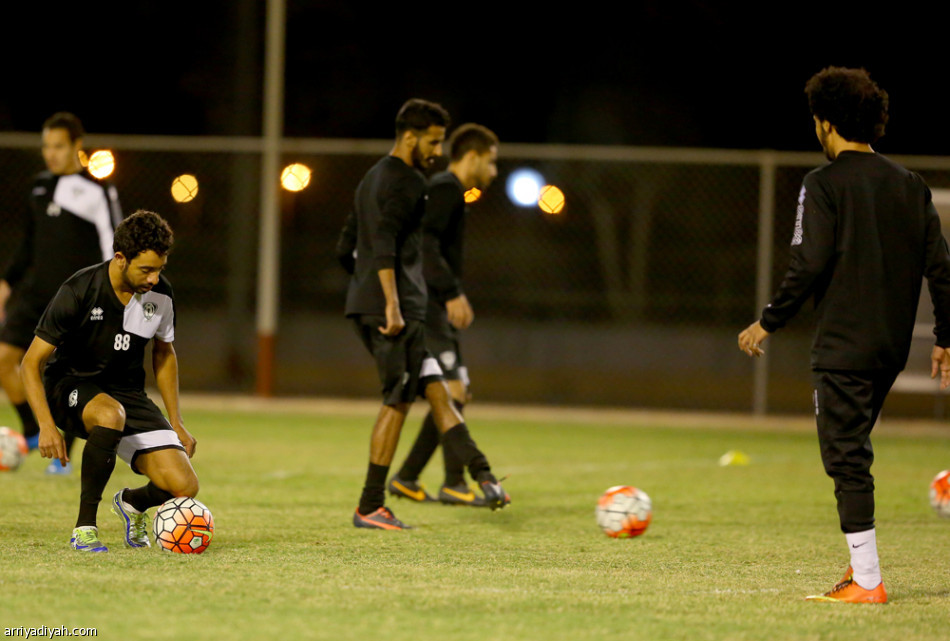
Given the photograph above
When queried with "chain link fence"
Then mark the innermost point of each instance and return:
(631, 296)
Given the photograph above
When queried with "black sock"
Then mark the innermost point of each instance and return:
(458, 443)
(454, 467)
(374, 492)
(422, 450)
(149, 495)
(30, 426)
(98, 461)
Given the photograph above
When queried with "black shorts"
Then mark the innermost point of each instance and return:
(22, 316)
(404, 364)
(146, 428)
(442, 340)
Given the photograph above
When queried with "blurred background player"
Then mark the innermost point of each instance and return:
(69, 226)
(91, 341)
(381, 246)
(866, 234)
(472, 164)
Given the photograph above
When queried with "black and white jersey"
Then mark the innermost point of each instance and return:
(70, 226)
(385, 231)
(866, 234)
(98, 337)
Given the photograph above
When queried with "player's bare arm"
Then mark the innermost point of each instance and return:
(394, 319)
(51, 444)
(940, 364)
(750, 339)
(165, 365)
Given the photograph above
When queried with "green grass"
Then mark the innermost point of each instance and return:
(729, 555)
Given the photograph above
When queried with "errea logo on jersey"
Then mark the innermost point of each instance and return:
(96, 314)
(799, 218)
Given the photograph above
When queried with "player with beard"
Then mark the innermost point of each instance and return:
(472, 165)
(381, 246)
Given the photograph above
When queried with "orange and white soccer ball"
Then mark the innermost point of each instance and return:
(940, 494)
(13, 449)
(183, 525)
(623, 512)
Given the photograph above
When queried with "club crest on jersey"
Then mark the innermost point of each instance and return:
(149, 310)
(53, 209)
(96, 314)
(74, 398)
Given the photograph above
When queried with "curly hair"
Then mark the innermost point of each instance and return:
(850, 101)
(143, 231)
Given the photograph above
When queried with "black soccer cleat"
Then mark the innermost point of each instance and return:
(495, 495)
(412, 490)
(460, 494)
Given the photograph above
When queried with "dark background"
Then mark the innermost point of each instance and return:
(652, 73)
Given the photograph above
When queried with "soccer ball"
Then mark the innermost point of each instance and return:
(13, 449)
(183, 525)
(940, 494)
(624, 511)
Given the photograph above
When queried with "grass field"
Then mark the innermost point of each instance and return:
(729, 555)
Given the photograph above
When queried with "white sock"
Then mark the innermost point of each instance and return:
(864, 561)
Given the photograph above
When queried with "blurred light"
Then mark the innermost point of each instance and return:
(472, 195)
(83, 158)
(184, 188)
(551, 200)
(295, 177)
(524, 187)
(101, 163)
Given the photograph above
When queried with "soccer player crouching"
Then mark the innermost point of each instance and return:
(91, 340)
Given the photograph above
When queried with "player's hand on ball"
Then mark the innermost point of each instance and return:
(751, 338)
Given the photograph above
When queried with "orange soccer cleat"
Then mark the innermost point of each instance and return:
(847, 591)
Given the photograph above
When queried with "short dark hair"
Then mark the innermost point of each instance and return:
(419, 115)
(143, 231)
(469, 137)
(849, 100)
(67, 121)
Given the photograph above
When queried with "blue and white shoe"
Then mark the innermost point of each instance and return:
(136, 523)
(57, 468)
(86, 539)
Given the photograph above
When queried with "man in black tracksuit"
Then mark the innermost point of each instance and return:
(866, 234)
(380, 245)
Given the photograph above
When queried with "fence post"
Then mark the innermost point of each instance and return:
(268, 283)
(763, 278)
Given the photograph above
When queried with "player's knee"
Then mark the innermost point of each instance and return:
(185, 486)
(106, 412)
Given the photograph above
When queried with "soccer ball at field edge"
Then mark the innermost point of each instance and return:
(183, 525)
(624, 511)
(13, 449)
(940, 494)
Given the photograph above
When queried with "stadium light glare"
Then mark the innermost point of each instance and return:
(184, 188)
(101, 163)
(551, 200)
(295, 177)
(524, 187)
